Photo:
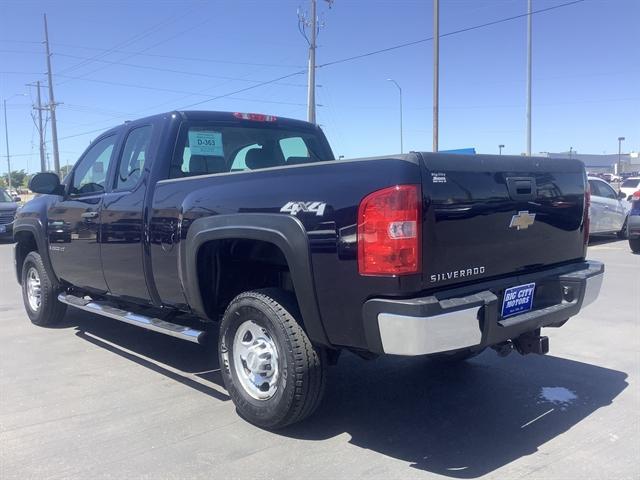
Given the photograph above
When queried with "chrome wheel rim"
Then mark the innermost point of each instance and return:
(255, 360)
(34, 289)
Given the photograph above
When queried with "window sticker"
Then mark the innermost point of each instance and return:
(207, 143)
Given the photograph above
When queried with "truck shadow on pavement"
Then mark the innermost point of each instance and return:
(459, 421)
(192, 365)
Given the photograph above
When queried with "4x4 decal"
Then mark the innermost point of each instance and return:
(312, 207)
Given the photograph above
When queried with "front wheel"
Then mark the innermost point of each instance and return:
(634, 244)
(39, 294)
(273, 373)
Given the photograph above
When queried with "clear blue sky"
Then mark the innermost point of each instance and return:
(586, 70)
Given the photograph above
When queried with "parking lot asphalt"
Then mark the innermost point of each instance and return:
(94, 398)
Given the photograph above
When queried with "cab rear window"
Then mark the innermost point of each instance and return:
(205, 149)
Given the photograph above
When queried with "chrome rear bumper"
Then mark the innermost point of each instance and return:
(441, 323)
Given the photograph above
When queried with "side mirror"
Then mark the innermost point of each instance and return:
(622, 195)
(17, 199)
(47, 183)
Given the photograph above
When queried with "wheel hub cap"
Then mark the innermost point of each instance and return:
(255, 358)
(34, 289)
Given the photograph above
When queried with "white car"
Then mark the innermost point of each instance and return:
(609, 209)
(630, 186)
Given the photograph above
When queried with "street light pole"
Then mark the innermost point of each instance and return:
(500, 147)
(529, 78)
(436, 71)
(399, 90)
(6, 136)
(620, 140)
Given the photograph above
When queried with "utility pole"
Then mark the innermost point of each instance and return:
(311, 92)
(52, 103)
(40, 126)
(529, 77)
(311, 23)
(436, 73)
(6, 136)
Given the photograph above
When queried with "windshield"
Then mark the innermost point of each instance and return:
(4, 197)
(631, 183)
(206, 148)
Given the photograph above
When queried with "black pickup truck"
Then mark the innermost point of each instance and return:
(247, 224)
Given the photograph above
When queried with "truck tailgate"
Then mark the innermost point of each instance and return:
(486, 216)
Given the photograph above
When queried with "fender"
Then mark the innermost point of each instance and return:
(284, 231)
(34, 226)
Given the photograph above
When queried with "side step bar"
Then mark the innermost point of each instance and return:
(155, 324)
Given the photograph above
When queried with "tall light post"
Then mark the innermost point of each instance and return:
(529, 33)
(400, 91)
(620, 140)
(6, 136)
(570, 152)
(436, 72)
(500, 147)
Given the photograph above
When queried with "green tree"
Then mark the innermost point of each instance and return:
(18, 178)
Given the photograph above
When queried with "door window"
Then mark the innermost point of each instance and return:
(606, 191)
(90, 174)
(133, 158)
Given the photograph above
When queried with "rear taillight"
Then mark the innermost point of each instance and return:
(389, 231)
(585, 215)
(635, 197)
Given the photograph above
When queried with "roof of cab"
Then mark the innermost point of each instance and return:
(213, 116)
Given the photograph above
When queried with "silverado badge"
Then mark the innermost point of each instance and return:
(522, 220)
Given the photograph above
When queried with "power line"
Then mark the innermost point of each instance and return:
(129, 41)
(355, 57)
(268, 82)
(161, 69)
(388, 49)
(177, 57)
(448, 34)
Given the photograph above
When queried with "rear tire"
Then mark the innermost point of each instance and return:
(273, 373)
(634, 244)
(39, 294)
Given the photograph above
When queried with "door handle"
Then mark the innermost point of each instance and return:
(89, 215)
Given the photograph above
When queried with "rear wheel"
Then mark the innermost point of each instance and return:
(634, 244)
(273, 373)
(39, 294)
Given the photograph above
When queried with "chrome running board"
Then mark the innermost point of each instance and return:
(155, 324)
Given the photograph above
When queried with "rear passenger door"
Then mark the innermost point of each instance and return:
(123, 227)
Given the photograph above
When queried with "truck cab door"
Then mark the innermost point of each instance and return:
(123, 225)
(74, 221)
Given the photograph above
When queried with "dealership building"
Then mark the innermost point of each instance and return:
(606, 163)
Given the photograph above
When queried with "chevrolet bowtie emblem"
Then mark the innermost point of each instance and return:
(522, 220)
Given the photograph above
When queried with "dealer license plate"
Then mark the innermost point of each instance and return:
(518, 299)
